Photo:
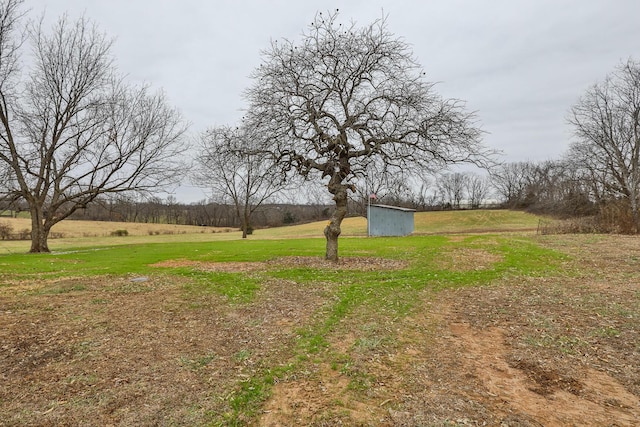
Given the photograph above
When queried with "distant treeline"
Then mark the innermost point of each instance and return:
(555, 188)
(201, 213)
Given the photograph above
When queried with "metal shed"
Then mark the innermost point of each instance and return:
(383, 220)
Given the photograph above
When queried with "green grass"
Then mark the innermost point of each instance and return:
(138, 258)
(519, 256)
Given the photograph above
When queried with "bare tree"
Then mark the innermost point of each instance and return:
(426, 196)
(236, 173)
(452, 188)
(345, 96)
(554, 187)
(385, 186)
(70, 129)
(477, 189)
(511, 180)
(606, 121)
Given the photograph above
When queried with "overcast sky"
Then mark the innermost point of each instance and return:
(520, 64)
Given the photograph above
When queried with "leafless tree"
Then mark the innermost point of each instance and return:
(606, 121)
(70, 129)
(344, 96)
(426, 196)
(511, 180)
(477, 189)
(452, 188)
(235, 172)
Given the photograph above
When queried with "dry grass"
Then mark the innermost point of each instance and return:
(74, 233)
(474, 221)
(115, 352)
(78, 228)
(543, 351)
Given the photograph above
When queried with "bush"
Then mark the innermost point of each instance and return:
(288, 218)
(5, 230)
(615, 217)
(612, 217)
(584, 225)
(120, 233)
(24, 234)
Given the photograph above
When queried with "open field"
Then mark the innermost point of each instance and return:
(465, 327)
(93, 233)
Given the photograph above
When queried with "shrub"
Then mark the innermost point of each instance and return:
(288, 218)
(120, 233)
(5, 230)
(24, 234)
(584, 225)
(616, 217)
(613, 217)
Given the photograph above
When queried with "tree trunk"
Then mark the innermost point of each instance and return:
(245, 218)
(245, 227)
(635, 212)
(332, 230)
(39, 232)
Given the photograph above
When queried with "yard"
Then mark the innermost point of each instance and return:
(483, 324)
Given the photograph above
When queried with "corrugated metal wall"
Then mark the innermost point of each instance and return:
(390, 221)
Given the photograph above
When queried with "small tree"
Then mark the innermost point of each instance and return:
(511, 181)
(235, 172)
(606, 122)
(70, 129)
(477, 190)
(344, 97)
(452, 188)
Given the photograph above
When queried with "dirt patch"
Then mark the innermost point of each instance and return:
(113, 354)
(224, 267)
(298, 401)
(551, 350)
(543, 393)
(346, 263)
(465, 259)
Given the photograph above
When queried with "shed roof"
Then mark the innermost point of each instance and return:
(397, 208)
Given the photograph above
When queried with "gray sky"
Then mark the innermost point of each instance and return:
(520, 64)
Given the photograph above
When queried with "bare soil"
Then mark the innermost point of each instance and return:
(534, 351)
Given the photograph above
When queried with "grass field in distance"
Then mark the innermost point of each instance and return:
(78, 233)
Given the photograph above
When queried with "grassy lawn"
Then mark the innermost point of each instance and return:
(430, 329)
